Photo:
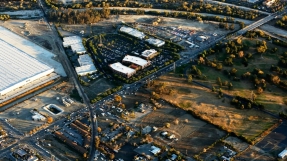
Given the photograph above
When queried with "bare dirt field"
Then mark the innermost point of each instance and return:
(254, 155)
(60, 149)
(236, 143)
(21, 118)
(248, 123)
(193, 136)
(39, 32)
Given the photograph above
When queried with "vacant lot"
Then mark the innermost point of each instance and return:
(60, 149)
(97, 86)
(253, 154)
(193, 135)
(248, 123)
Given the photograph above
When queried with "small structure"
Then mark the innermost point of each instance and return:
(146, 130)
(86, 65)
(122, 70)
(173, 157)
(268, 3)
(53, 109)
(149, 54)
(37, 116)
(75, 42)
(201, 38)
(132, 32)
(155, 150)
(283, 154)
(155, 42)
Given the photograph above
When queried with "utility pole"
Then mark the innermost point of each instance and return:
(174, 67)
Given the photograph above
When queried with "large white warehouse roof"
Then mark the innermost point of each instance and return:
(121, 68)
(18, 68)
(32, 49)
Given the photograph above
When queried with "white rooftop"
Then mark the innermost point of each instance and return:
(136, 60)
(147, 53)
(282, 154)
(78, 48)
(121, 68)
(38, 116)
(86, 65)
(68, 41)
(32, 49)
(17, 67)
(133, 32)
(156, 42)
(155, 150)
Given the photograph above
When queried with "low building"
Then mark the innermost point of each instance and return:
(149, 54)
(201, 38)
(122, 70)
(252, 1)
(133, 32)
(38, 117)
(155, 42)
(283, 154)
(146, 130)
(76, 44)
(155, 150)
(136, 60)
(269, 3)
(86, 65)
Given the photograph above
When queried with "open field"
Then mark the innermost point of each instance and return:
(60, 149)
(20, 116)
(272, 98)
(248, 123)
(97, 86)
(252, 154)
(193, 135)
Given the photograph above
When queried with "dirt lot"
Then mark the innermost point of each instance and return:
(60, 149)
(248, 123)
(253, 155)
(193, 135)
(39, 32)
(20, 116)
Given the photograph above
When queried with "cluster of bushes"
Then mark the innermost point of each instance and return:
(4, 17)
(282, 23)
(244, 103)
(283, 115)
(279, 71)
(105, 94)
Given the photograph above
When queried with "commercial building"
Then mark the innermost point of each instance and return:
(86, 65)
(201, 38)
(132, 32)
(122, 70)
(149, 54)
(18, 69)
(155, 42)
(76, 44)
(136, 60)
(283, 154)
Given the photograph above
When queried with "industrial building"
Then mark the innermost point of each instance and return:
(149, 54)
(283, 154)
(122, 70)
(136, 60)
(20, 72)
(76, 44)
(86, 65)
(155, 42)
(132, 32)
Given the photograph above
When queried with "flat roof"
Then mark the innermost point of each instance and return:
(70, 40)
(136, 60)
(82, 70)
(121, 68)
(32, 49)
(16, 66)
(85, 60)
(132, 31)
(78, 48)
(156, 42)
(147, 53)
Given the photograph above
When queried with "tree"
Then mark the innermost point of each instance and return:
(259, 90)
(49, 119)
(97, 142)
(176, 121)
(118, 98)
(240, 54)
(167, 125)
(112, 156)
(189, 78)
(122, 105)
(239, 41)
(99, 130)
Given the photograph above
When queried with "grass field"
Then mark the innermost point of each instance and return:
(248, 123)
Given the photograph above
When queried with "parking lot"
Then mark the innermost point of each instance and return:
(114, 47)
